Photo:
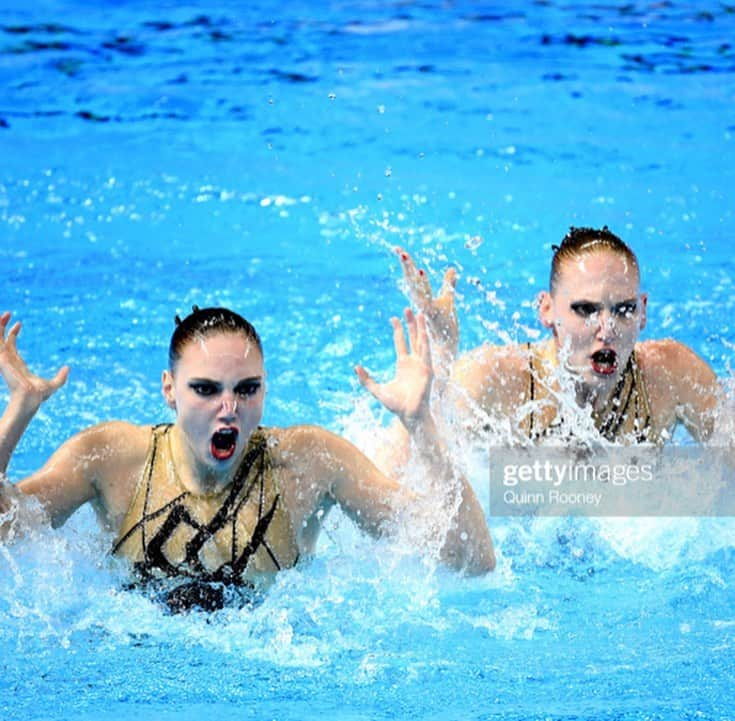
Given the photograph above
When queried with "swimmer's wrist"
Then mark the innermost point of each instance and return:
(6, 504)
(25, 400)
(421, 423)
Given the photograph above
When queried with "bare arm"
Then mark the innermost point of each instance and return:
(66, 480)
(27, 391)
(101, 464)
(60, 487)
(468, 544)
(325, 470)
(93, 465)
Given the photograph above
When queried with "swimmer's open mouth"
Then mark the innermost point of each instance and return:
(604, 361)
(223, 443)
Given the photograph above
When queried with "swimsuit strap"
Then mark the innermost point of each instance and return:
(531, 389)
(641, 398)
(157, 432)
(629, 390)
(254, 472)
(534, 379)
(629, 394)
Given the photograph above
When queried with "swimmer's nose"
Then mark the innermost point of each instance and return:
(228, 408)
(607, 328)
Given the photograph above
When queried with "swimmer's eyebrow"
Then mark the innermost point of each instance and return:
(629, 301)
(251, 379)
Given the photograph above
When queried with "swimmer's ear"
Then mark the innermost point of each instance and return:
(167, 389)
(546, 309)
(644, 310)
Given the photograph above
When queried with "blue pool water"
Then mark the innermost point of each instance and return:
(159, 155)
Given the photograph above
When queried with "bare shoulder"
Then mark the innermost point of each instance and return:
(315, 457)
(680, 385)
(489, 358)
(661, 350)
(117, 452)
(117, 437)
(303, 444)
(100, 464)
(305, 461)
(670, 361)
(493, 375)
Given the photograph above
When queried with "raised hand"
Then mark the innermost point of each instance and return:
(407, 395)
(20, 381)
(440, 311)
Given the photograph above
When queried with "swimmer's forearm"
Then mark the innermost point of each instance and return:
(7, 509)
(468, 546)
(18, 512)
(18, 414)
(423, 432)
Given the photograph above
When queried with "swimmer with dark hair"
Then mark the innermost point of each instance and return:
(215, 497)
(629, 391)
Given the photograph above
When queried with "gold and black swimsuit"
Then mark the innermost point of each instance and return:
(234, 537)
(625, 416)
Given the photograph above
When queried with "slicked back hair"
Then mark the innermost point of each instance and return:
(579, 241)
(204, 322)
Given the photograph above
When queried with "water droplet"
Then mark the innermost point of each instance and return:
(473, 242)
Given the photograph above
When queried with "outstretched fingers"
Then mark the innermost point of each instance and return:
(418, 335)
(399, 339)
(408, 314)
(448, 285)
(407, 393)
(58, 380)
(423, 348)
(8, 345)
(14, 370)
(419, 287)
(368, 382)
(12, 334)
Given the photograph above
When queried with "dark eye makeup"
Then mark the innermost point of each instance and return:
(244, 389)
(203, 388)
(247, 388)
(626, 309)
(585, 308)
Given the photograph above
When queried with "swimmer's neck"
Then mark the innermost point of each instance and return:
(193, 475)
(596, 396)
